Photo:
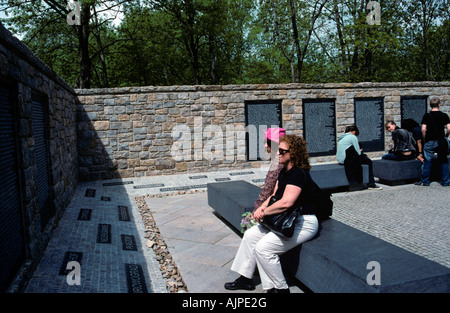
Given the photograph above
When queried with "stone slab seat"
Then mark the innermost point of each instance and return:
(336, 260)
(331, 176)
(399, 172)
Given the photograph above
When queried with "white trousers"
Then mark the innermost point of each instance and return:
(261, 247)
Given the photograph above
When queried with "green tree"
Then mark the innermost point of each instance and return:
(44, 27)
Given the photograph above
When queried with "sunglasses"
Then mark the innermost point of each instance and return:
(282, 151)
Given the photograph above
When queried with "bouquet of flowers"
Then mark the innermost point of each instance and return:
(247, 222)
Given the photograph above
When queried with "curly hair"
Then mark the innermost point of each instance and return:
(298, 151)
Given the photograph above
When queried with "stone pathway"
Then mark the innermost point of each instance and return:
(104, 231)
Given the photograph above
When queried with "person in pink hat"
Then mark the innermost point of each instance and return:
(272, 136)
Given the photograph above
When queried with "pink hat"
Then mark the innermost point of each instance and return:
(274, 134)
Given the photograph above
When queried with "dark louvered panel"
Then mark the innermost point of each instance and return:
(41, 158)
(11, 238)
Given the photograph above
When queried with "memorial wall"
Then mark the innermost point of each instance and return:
(38, 159)
(145, 131)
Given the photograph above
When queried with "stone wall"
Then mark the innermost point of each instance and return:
(131, 132)
(27, 76)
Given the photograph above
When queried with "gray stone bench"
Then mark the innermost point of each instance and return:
(400, 172)
(336, 260)
(332, 176)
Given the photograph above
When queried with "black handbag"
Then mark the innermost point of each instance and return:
(283, 223)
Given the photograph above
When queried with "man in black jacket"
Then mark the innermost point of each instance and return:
(403, 144)
(433, 124)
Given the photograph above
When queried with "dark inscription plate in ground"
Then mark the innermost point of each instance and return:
(223, 179)
(90, 193)
(369, 118)
(182, 188)
(135, 279)
(148, 186)
(260, 115)
(198, 177)
(120, 183)
(319, 126)
(105, 198)
(128, 242)
(69, 256)
(84, 215)
(413, 108)
(104, 233)
(123, 213)
(259, 180)
(241, 173)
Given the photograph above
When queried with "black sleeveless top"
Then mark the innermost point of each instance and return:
(300, 178)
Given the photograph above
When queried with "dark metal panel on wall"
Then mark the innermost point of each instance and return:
(40, 135)
(319, 126)
(259, 116)
(413, 107)
(12, 247)
(369, 118)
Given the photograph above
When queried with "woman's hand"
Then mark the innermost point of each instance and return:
(259, 213)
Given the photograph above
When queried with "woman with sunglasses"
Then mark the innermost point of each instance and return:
(261, 247)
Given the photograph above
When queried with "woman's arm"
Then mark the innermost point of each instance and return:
(263, 206)
(355, 143)
(290, 195)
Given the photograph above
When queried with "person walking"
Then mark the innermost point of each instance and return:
(433, 133)
(261, 247)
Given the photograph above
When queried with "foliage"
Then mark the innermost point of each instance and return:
(247, 221)
(173, 42)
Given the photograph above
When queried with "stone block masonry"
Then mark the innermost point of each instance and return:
(134, 131)
(46, 176)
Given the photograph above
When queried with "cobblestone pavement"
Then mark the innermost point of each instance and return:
(102, 229)
(416, 218)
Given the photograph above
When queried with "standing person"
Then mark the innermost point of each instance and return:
(350, 155)
(262, 247)
(403, 144)
(433, 124)
(273, 136)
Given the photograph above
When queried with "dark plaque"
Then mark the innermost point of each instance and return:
(90, 193)
(69, 256)
(105, 198)
(135, 279)
(319, 126)
(120, 183)
(369, 118)
(223, 179)
(128, 243)
(123, 213)
(182, 188)
(148, 186)
(413, 108)
(259, 180)
(84, 215)
(104, 233)
(241, 173)
(198, 177)
(259, 116)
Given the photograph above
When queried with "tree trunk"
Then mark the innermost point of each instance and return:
(212, 58)
(83, 32)
(101, 51)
